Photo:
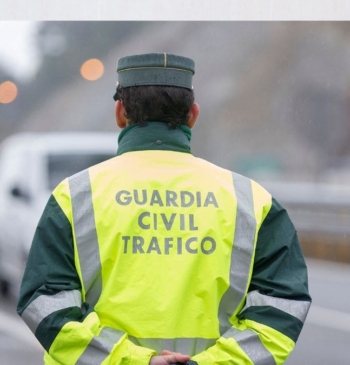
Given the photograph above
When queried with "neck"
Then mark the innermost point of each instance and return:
(154, 136)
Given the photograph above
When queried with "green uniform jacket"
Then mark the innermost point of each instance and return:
(157, 249)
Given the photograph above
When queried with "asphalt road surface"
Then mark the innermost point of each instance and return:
(325, 339)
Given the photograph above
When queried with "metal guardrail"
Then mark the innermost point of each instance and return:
(315, 208)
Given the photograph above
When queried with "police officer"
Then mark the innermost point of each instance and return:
(158, 257)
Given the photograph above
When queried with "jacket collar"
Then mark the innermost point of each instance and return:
(154, 136)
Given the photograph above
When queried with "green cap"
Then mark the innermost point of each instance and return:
(155, 69)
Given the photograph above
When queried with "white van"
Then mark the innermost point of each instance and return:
(31, 166)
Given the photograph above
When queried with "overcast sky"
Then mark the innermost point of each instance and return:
(17, 51)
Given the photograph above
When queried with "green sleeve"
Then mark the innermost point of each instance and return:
(50, 269)
(279, 267)
(279, 271)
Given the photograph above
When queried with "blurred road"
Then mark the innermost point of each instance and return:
(325, 338)
(18, 346)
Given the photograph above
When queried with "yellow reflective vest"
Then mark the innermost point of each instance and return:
(158, 250)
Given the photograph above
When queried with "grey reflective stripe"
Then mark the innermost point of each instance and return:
(86, 235)
(250, 343)
(189, 346)
(43, 306)
(100, 347)
(242, 251)
(295, 308)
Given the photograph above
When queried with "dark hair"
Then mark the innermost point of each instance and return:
(169, 104)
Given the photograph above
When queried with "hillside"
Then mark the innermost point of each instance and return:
(274, 96)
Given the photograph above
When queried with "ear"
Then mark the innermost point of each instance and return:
(193, 115)
(120, 118)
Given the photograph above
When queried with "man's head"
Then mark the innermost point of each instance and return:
(155, 87)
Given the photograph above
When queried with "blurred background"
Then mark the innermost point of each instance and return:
(275, 106)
